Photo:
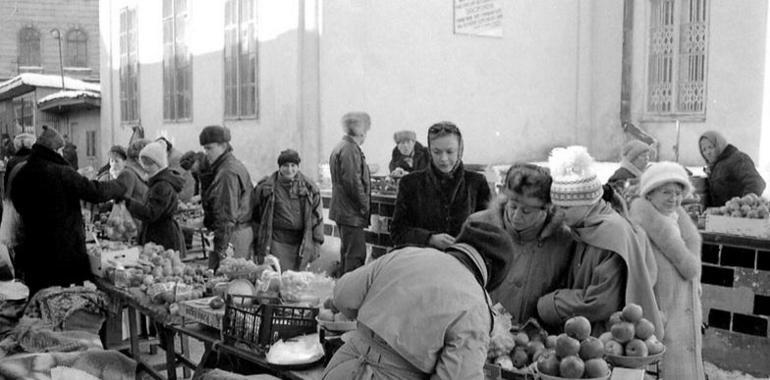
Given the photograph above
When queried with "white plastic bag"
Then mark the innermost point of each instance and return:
(10, 226)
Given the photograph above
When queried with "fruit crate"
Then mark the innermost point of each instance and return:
(756, 228)
(200, 311)
(495, 372)
(256, 323)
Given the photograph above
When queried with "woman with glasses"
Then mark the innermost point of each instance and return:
(541, 250)
(433, 203)
(677, 247)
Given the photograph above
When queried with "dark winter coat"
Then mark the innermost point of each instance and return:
(732, 175)
(420, 159)
(47, 193)
(262, 215)
(157, 211)
(351, 184)
(133, 178)
(429, 203)
(226, 198)
(20, 156)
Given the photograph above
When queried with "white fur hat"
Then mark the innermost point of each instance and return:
(661, 173)
(155, 151)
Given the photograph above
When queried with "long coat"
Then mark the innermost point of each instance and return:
(351, 185)
(427, 204)
(262, 216)
(157, 211)
(732, 175)
(46, 193)
(677, 246)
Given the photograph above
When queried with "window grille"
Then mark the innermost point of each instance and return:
(177, 61)
(77, 48)
(240, 58)
(129, 67)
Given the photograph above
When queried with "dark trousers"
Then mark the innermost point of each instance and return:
(352, 248)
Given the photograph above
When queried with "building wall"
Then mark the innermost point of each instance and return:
(46, 15)
(553, 79)
(257, 141)
(735, 94)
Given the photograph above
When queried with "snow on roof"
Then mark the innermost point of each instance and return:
(69, 95)
(47, 80)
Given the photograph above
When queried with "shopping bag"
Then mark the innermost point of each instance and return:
(120, 224)
(10, 226)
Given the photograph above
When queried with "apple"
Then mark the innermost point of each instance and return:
(571, 367)
(533, 347)
(591, 348)
(654, 346)
(623, 332)
(605, 337)
(615, 318)
(596, 368)
(521, 339)
(613, 347)
(566, 346)
(519, 357)
(550, 341)
(632, 313)
(325, 315)
(548, 364)
(636, 347)
(644, 329)
(578, 327)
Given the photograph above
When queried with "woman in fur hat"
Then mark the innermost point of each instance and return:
(677, 245)
(408, 155)
(731, 173)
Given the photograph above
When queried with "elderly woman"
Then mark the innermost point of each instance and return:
(541, 250)
(433, 204)
(677, 246)
(408, 155)
(731, 173)
(636, 157)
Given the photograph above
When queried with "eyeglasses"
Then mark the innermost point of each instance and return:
(443, 127)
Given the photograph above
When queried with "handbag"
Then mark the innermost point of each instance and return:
(10, 225)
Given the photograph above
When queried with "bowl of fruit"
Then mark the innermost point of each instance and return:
(575, 354)
(631, 341)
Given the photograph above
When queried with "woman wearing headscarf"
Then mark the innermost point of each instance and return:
(433, 204)
(636, 157)
(731, 173)
(408, 154)
(677, 246)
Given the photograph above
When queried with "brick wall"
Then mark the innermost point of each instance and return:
(45, 15)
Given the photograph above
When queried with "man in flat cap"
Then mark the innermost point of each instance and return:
(351, 191)
(226, 196)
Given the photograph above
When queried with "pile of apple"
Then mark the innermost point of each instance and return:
(749, 206)
(575, 354)
(630, 334)
(526, 349)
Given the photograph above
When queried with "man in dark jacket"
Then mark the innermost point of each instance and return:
(351, 190)
(226, 196)
(46, 193)
(70, 152)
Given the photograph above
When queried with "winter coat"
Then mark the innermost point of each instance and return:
(613, 265)
(351, 185)
(135, 181)
(448, 325)
(420, 159)
(732, 175)
(226, 199)
(264, 199)
(20, 156)
(677, 246)
(157, 211)
(47, 193)
(538, 265)
(427, 204)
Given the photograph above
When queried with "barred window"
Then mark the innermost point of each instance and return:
(77, 48)
(678, 55)
(241, 95)
(29, 47)
(129, 67)
(177, 61)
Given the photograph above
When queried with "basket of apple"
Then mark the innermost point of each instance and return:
(575, 354)
(631, 341)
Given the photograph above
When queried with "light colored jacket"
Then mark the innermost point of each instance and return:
(677, 246)
(426, 306)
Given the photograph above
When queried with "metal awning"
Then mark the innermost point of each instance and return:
(66, 101)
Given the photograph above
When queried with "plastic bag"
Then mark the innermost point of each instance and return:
(120, 224)
(10, 226)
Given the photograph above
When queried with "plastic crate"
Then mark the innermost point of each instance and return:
(256, 322)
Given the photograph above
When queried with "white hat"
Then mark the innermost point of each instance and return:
(661, 173)
(155, 151)
(574, 180)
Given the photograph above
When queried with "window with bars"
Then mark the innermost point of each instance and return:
(77, 48)
(29, 47)
(241, 96)
(129, 67)
(177, 61)
(678, 57)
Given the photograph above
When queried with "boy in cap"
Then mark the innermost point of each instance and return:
(287, 215)
(226, 196)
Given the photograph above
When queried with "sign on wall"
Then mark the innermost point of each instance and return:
(479, 17)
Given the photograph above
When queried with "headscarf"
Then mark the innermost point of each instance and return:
(445, 128)
(717, 140)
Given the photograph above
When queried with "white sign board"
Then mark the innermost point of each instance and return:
(479, 17)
